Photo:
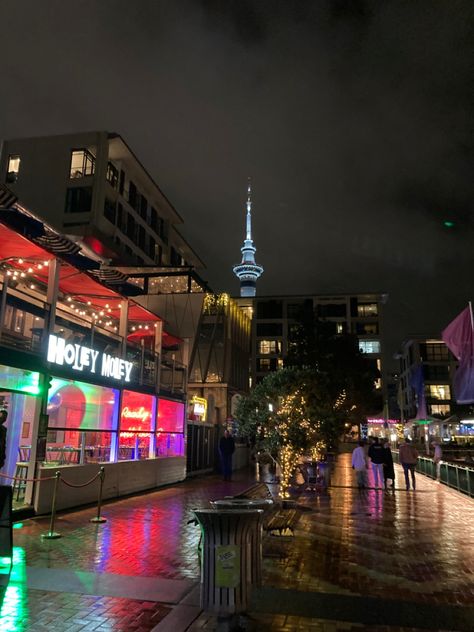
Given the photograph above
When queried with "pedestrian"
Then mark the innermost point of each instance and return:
(408, 456)
(3, 437)
(376, 454)
(360, 465)
(226, 450)
(437, 457)
(388, 469)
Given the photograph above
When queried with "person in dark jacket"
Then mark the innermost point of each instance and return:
(3, 437)
(226, 450)
(388, 469)
(376, 455)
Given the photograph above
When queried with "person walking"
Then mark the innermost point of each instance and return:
(408, 456)
(376, 455)
(226, 450)
(437, 457)
(360, 465)
(3, 437)
(388, 469)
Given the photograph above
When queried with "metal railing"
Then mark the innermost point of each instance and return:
(459, 477)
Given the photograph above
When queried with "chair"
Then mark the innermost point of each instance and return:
(21, 471)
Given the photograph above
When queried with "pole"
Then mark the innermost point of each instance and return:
(98, 518)
(52, 534)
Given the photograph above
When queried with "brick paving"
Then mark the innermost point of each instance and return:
(396, 548)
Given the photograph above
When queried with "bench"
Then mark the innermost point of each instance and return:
(281, 517)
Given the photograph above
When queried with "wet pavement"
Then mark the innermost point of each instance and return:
(360, 560)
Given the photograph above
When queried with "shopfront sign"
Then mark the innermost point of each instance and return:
(140, 414)
(199, 405)
(87, 360)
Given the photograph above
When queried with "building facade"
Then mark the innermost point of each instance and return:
(91, 185)
(275, 321)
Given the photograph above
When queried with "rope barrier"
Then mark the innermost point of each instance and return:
(81, 484)
(27, 480)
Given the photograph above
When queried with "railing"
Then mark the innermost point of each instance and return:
(459, 477)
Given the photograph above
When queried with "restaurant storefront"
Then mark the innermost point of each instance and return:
(80, 389)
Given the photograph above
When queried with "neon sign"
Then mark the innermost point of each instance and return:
(199, 406)
(87, 360)
(140, 413)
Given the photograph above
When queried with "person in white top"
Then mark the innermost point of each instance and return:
(437, 457)
(360, 464)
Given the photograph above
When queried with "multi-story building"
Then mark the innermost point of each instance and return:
(91, 185)
(426, 397)
(275, 322)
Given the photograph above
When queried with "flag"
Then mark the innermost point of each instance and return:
(459, 338)
(417, 382)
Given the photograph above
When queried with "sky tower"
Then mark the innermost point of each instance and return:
(248, 271)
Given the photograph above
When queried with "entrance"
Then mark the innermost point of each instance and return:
(20, 422)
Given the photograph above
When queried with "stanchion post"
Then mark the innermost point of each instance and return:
(98, 518)
(52, 534)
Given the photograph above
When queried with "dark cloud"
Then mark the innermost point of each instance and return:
(353, 119)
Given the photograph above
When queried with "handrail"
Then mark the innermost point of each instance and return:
(454, 475)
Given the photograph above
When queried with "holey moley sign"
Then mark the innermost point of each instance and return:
(87, 360)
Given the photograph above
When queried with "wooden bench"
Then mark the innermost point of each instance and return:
(281, 517)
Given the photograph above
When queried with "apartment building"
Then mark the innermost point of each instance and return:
(275, 323)
(92, 186)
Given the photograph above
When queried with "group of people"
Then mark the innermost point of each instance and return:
(378, 457)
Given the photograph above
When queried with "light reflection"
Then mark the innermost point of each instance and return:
(14, 608)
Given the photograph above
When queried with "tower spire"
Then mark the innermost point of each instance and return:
(248, 271)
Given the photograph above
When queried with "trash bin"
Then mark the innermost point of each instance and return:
(6, 532)
(255, 534)
(229, 554)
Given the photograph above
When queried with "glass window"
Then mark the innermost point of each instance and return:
(439, 391)
(369, 346)
(169, 444)
(137, 412)
(269, 346)
(331, 310)
(269, 309)
(13, 168)
(367, 309)
(19, 380)
(366, 328)
(436, 372)
(77, 405)
(82, 163)
(434, 351)
(109, 210)
(134, 446)
(78, 200)
(112, 175)
(269, 329)
(170, 416)
(440, 409)
(73, 447)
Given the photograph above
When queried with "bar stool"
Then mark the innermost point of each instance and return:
(21, 472)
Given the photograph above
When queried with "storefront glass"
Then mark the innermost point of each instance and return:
(136, 416)
(170, 426)
(82, 424)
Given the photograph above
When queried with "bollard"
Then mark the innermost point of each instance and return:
(98, 518)
(52, 534)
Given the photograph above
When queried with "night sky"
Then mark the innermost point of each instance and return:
(351, 117)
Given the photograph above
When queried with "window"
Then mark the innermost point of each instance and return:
(331, 310)
(153, 219)
(78, 200)
(269, 346)
(130, 232)
(434, 351)
(367, 309)
(138, 411)
(143, 207)
(436, 372)
(366, 328)
(175, 257)
(263, 364)
(269, 309)
(109, 210)
(340, 328)
(13, 168)
(296, 310)
(369, 346)
(269, 329)
(439, 391)
(132, 195)
(151, 247)
(141, 238)
(82, 163)
(122, 182)
(440, 409)
(112, 175)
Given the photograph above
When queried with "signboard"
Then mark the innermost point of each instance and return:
(199, 405)
(87, 360)
(137, 411)
(227, 566)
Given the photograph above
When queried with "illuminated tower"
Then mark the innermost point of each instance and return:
(248, 271)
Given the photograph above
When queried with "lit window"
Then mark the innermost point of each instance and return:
(369, 346)
(82, 163)
(439, 391)
(269, 346)
(440, 409)
(340, 327)
(280, 363)
(367, 309)
(263, 364)
(112, 175)
(13, 168)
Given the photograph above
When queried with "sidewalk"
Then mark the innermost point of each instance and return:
(369, 560)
